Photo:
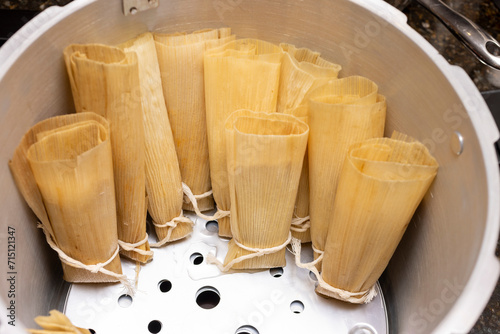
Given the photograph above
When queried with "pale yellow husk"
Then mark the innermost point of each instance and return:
(381, 185)
(243, 74)
(163, 176)
(56, 323)
(341, 113)
(183, 38)
(105, 80)
(265, 152)
(63, 168)
(181, 64)
(300, 222)
(302, 70)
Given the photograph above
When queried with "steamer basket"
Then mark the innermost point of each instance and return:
(444, 270)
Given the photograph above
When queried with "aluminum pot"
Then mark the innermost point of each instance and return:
(444, 270)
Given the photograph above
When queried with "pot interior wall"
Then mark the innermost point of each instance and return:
(443, 240)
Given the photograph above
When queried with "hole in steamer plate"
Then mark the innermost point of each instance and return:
(207, 297)
(297, 306)
(212, 226)
(125, 301)
(165, 285)
(276, 272)
(247, 329)
(196, 258)
(154, 326)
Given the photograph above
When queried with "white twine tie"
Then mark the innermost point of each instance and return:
(93, 268)
(193, 199)
(352, 297)
(300, 224)
(172, 225)
(256, 252)
(134, 247)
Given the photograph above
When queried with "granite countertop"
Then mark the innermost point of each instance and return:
(483, 12)
(35, 5)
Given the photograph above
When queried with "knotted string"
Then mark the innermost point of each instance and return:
(300, 224)
(134, 247)
(256, 252)
(197, 197)
(93, 268)
(193, 199)
(172, 224)
(352, 297)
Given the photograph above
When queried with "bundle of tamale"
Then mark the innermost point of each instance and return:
(105, 80)
(242, 74)
(341, 112)
(180, 58)
(382, 182)
(302, 70)
(63, 168)
(264, 158)
(56, 323)
(163, 176)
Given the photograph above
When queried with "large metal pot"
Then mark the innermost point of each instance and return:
(444, 270)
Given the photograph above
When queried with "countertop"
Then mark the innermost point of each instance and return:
(483, 12)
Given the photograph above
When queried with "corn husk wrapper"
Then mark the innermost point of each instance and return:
(300, 222)
(243, 74)
(181, 64)
(341, 113)
(302, 70)
(56, 323)
(163, 176)
(63, 168)
(381, 185)
(265, 152)
(105, 80)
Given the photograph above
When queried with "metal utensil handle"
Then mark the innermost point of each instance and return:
(473, 36)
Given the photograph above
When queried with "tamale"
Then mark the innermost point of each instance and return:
(105, 80)
(180, 58)
(301, 221)
(163, 176)
(204, 35)
(265, 152)
(302, 70)
(63, 168)
(56, 323)
(341, 113)
(382, 182)
(243, 74)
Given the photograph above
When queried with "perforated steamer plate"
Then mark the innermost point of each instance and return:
(179, 292)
